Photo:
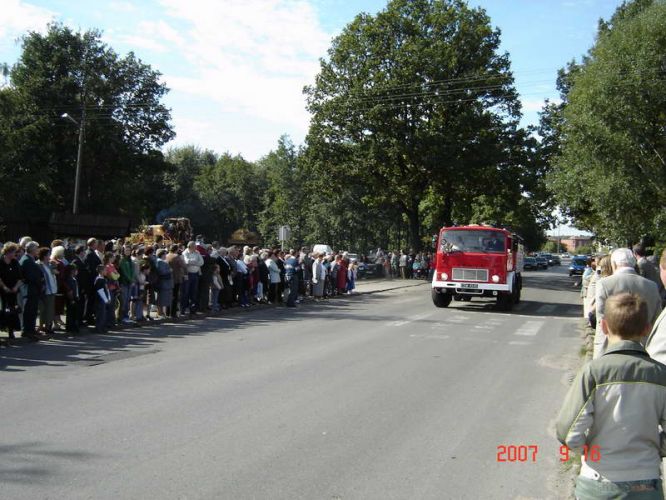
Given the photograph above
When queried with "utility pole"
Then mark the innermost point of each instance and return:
(79, 156)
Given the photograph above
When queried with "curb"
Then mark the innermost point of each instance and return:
(20, 341)
(398, 287)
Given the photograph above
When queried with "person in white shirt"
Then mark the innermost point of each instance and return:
(318, 276)
(193, 262)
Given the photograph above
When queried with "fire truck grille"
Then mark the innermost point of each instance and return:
(462, 274)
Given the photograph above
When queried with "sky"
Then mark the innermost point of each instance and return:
(236, 68)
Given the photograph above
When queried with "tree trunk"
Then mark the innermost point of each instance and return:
(414, 229)
(447, 211)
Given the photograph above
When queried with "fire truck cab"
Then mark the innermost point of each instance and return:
(478, 261)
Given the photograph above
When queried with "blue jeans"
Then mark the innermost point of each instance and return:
(590, 489)
(293, 290)
(215, 298)
(137, 301)
(100, 316)
(192, 291)
(125, 294)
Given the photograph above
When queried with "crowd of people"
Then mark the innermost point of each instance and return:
(402, 264)
(103, 284)
(614, 414)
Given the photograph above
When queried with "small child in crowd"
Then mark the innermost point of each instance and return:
(102, 300)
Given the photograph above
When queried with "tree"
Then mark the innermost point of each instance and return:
(612, 163)
(186, 164)
(285, 199)
(232, 189)
(554, 247)
(416, 97)
(126, 124)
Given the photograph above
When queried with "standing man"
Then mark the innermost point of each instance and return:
(656, 341)
(92, 262)
(402, 262)
(306, 266)
(178, 268)
(193, 261)
(647, 269)
(33, 283)
(291, 268)
(126, 279)
(82, 280)
(623, 280)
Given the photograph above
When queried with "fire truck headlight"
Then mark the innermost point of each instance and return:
(495, 278)
(445, 276)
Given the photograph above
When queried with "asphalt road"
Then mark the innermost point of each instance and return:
(378, 396)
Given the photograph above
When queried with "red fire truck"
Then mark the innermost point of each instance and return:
(478, 261)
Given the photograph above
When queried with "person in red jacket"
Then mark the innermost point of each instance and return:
(342, 275)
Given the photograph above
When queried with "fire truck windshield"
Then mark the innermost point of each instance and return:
(472, 241)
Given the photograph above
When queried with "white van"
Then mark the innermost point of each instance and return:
(322, 249)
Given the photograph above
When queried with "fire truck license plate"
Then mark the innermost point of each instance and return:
(469, 285)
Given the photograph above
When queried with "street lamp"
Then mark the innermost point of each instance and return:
(77, 179)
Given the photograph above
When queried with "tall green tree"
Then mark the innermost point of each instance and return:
(126, 124)
(285, 199)
(233, 190)
(417, 96)
(611, 164)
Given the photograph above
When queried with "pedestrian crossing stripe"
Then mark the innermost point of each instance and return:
(530, 328)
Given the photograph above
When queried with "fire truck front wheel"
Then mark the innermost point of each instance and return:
(505, 301)
(441, 299)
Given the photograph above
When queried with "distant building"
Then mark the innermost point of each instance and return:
(572, 243)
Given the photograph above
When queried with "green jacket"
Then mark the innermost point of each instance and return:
(616, 404)
(126, 271)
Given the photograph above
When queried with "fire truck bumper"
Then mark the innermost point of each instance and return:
(486, 289)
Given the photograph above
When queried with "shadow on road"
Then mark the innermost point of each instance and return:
(33, 461)
(94, 349)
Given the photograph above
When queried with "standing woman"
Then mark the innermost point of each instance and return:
(264, 277)
(59, 269)
(603, 270)
(10, 282)
(351, 277)
(342, 275)
(318, 276)
(112, 275)
(590, 270)
(47, 299)
(274, 273)
(164, 284)
(250, 279)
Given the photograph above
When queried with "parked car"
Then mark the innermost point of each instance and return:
(554, 260)
(530, 263)
(542, 262)
(577, 266)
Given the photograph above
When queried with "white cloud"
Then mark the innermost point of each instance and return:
(19, 16)
(122, 6)
(252, 56)
(156, 36)
(532, 104)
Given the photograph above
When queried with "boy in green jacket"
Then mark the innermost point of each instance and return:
(614, 408)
